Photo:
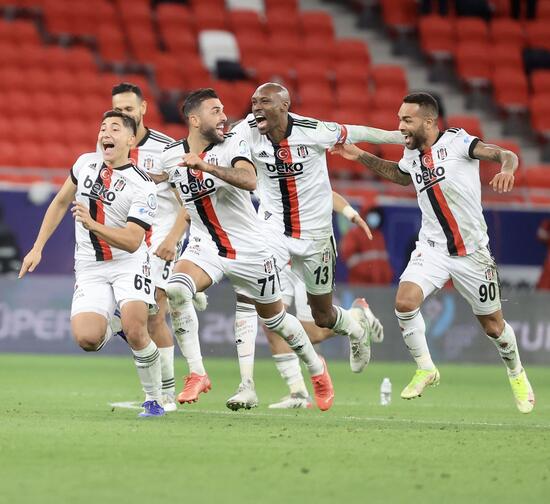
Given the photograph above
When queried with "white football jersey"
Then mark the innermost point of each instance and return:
(146, 155)
(114, 197)
(221, 214)
(293, 181)
(446, 178)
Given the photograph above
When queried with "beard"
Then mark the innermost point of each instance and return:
(211, 135)
(418, 139)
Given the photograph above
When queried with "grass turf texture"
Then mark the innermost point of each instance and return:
(61, 441)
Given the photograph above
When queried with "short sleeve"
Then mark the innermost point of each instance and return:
(328, 134)
(144, 206)
(169, 159)
(238, 150)
(403, 166)
(75, 170)
(465, 144)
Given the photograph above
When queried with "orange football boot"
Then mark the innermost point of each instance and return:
(194, 384)
(323, 389)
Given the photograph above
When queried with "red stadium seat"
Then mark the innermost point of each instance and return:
(391, 152)
(280, 24)
(178, 41)
(473, 63)
(289, 49)
(208, 18)
(400, 14)
(288, 7)
(174, 17)
(511, 90)
(143, 41)
(537, 177)
(349, 73)
(317, 23)
(316, 93)
(353, 51)
(310, 71)
(471, 29)
(389, 77)
(248, 22)
(507, 56)
(320, 51)
(19, 32)
(387, 99)
(320, 111)
(170, 73)
(111, 43)
(437, 38)
(349, 96)
(384, 120)
(211, 4)
(469, 123)
(538, 35)
(350, 115)
(540, 81)
(506, 31)
(252, 49)
(176, 131)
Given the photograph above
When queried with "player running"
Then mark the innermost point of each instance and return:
(167, 231)
(213, 174)
(453, 241)
(114, 205)
(289, 152)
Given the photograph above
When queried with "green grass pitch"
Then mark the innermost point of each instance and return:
(464, 441)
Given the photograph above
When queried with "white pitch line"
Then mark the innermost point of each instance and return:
(136, 405)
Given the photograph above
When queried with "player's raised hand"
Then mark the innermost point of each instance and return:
(502, 182)
(359, 221)
(350, 152)
(167, 249)
(194, 161)
(30, 262)
(82, 214)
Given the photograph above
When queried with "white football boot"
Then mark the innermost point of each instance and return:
(245, 398)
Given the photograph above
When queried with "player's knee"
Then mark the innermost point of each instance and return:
(323, 318)
(136, 332)
(492, 326)
(88, 342)
(180, 289)
(405, 304)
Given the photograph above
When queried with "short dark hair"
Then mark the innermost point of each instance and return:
(425, 101)
(127, 121)
(127, 87)
(194, 99)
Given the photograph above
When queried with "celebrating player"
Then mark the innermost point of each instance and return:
(289, 152)
(114, 205)
(167, 230)
(213, 174)
(453, 241)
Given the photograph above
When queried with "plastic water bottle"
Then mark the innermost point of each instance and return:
(385, 392)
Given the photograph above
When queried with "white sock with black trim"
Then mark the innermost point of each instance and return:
(413, 329)
(246, 328)
(147, 362)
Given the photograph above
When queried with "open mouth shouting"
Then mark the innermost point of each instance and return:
(261, 121)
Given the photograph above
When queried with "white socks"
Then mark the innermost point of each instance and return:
(148, 367)
(181, 289)
(246, 328)
(288, 327)
(346, 325)
(508, 349)
(288, 366)
(167, 370)
(414, 333)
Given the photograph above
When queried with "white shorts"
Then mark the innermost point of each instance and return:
(161, 269)
(254, 277)
(474, 276)
(295, 292)
(100, 286)
(312, 260)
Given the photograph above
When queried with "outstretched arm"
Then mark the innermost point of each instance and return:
(385, 169)
(503, 181)
(53, 216)
(358, 134)
(341, 205)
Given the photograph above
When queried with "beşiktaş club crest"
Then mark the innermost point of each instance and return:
(148, 163)
(441, 153)
(119, 184)
(302, 151)
(490, 274)
(326, 256)
(268, 266)
(283, 153)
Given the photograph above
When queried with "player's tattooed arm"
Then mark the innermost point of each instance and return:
(385, 169)
(503, 181)
(241, 175)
